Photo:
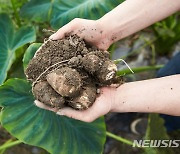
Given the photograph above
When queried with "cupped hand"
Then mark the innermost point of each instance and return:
(92, 31)
(95, 34)
(104, 103)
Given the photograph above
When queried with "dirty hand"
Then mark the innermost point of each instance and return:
(103, 104)
(90, 30)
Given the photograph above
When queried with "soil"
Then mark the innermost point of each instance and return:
(68, 72)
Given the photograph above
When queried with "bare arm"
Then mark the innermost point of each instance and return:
(135, 15)
(126, 19)
(160, 95)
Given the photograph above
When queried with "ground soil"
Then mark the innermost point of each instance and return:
(68, 72)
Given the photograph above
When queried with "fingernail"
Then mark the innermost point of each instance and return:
(37, 103)
(60, 113)
(52, 37)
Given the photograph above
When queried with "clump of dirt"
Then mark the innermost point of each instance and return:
(69, 72)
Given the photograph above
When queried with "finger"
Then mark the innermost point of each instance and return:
(89, 115)
(78, 115)
(66, 29)
(43, 106)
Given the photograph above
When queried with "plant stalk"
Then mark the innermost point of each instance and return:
(118, 138)
(11, 144)
(139, 69)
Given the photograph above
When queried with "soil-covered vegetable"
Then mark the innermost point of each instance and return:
(69, 72)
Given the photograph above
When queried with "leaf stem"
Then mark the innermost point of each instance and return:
(139, 69)
(11, 144)
(16, 13)
(3, 150)
(118, 138)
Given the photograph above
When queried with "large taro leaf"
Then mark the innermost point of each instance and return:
(35, 126)
(36, 10)
(10, 40)
(38, 127)
(30, 53)
(64, 11)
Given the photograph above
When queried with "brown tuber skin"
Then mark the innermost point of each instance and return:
(91, 63)
(46, 94)
(85, 99)
(65, 81)
(104, 70)
(108, 72)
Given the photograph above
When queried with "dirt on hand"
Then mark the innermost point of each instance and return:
(69, 72)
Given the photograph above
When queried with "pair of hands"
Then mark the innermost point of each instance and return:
(93, 33)
(119, 23)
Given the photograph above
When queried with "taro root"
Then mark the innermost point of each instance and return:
(85, 99)
(46, 94)
(69, 72)
(107, 72)
(65, 81)
(91, 63)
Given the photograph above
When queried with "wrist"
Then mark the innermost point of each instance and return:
(126, 99)
(119, 99)
(105, 32)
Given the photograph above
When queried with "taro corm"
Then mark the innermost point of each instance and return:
(68, 72)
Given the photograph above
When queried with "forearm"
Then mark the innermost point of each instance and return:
(134, 15)
(160, 95)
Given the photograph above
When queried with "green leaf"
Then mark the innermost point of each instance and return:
(167, 32)
(64, 11)
(60, 12)
(38, 127)
(10, 40)
(36, 10)
(5, 6)
(29, 53)
(156, 131)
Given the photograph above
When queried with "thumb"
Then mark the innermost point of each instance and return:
(63, 31)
